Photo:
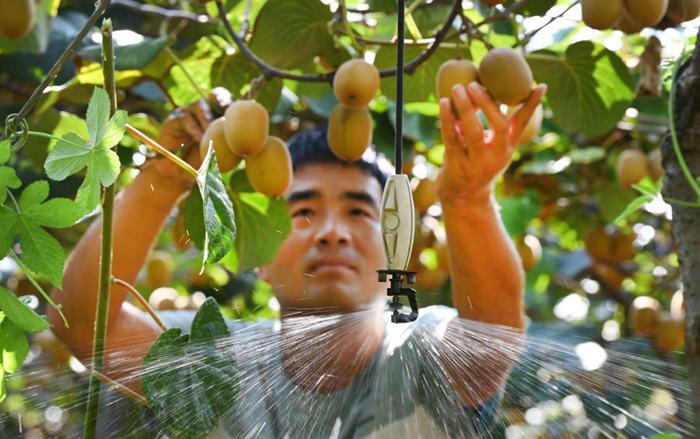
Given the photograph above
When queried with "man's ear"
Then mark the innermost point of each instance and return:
(263, 273)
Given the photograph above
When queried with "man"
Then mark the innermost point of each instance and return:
(334, 367)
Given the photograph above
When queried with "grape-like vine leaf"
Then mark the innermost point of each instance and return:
(8, 176)
(190, 380)
(40, 251)
(14, 346)
(217, 210)
(19, 313)
(72, 153)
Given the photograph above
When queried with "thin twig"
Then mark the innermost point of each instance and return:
(13, 120)
(271, 72)
(141, 300)
(161, 150)
(504, 14)
(120, 388)
(163, 12)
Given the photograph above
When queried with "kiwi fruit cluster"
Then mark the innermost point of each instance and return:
(505, 74)
(242, 133)
(355, 83)
(631, 16)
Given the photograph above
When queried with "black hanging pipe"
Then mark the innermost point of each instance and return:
(398, 141)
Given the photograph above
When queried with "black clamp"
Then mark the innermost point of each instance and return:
(396, 290)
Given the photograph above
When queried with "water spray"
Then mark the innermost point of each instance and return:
(398, 216)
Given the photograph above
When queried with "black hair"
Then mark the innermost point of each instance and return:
(311, 147)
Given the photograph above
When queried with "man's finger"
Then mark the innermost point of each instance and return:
(201, 112)
(523, 115)
(193, 128)
(497, 121)
(472, 130)
(447, 124)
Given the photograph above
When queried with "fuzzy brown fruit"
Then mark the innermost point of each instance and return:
(627, 25)
(682, 10)
(534, 125)
(225, 158)
(644, 315)
(16, 18)
(646, 12)
(656, 167)
(601, 14)
(670, 334)
(270, 172)
(453, 72)
(425, 195)
(506, 75)
(349, 132)
(159, 269)
(598, 243)
(631, 167)
(246, 128)
(355, 83)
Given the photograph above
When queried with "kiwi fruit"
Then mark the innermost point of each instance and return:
(506, 75)
(226, 159)
(355, 83)
(349, 132)
(601, 14)
(16, 18)
(646, 12)
(246, 128)
(270, 171)
(682, 10)
(631, 167)
(627, 25)
(453, 72)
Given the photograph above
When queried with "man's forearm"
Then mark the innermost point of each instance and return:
(139, 215)
(487, 275)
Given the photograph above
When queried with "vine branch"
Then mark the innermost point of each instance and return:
(14, 121)
(272, 72)
(163, 12)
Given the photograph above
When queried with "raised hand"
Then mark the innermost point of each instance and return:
(474, 157)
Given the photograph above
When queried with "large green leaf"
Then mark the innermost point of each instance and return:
(19, 313)
(191, 380)
(288, 34)
(420, 86)
(14, 346)
(40, 251)
(73, 153)
(262, 226)
(590, 88)
(133, 56)
(517, 212)
(235, 72)
(217, 211)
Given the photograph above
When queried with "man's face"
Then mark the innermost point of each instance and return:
(329, 260)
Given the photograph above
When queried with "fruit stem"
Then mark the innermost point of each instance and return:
(674, 135)
(157, 147)
(189, 77)
(141, 300)
(105, 284)
(58, 65)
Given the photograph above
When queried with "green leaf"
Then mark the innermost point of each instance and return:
(8, 176)
(648, 187)
(517, 212)
(219, 225)
(97, 115)
(420, 86)
(235, 72)
(19, 313)
(288, 34)
(3, 385)
(40, 251)
(72, 153)
(633, 206)
(262, 226)
(14, 345)
(590, 88)
(201, 364)
(586, 155)
(133, 56)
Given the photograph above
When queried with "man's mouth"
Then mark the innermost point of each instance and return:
(328, 265)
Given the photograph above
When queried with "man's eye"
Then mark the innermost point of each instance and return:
(303, 212)
(359, 212)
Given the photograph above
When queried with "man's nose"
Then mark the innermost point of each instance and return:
(332, 231)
